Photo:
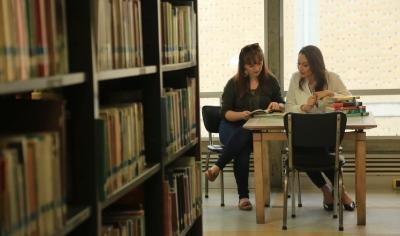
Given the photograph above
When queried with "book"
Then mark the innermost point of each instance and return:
(269, 112)
(341, 98)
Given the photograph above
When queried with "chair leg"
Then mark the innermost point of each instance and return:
(284, 158)
(299, 192)
(285, 197)
(222, 188)
(340, 201)
(293, 194)
(205, 177)
(336, 195)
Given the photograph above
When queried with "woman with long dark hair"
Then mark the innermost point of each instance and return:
(310, 85)
(253, 87)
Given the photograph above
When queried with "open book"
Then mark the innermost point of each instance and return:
(270, 112)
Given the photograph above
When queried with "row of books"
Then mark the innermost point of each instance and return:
(124, 223)
(120, 132)
(32, 201)
(181, 195)
(350, 105)
(118, 32)
(33, 39)
(180, 116)
(178, 31)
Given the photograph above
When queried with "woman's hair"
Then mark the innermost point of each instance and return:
(317, 66)
(249, 54)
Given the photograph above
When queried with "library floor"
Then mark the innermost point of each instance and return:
(383, 216)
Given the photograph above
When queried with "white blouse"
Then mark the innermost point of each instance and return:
(296, 97)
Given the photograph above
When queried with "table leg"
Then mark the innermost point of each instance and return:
(258, 177)
(360, 154)
(266, 173)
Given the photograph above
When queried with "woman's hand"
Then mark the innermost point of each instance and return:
(274, 106)
(245, 115)
(311, 101)
(322, 94)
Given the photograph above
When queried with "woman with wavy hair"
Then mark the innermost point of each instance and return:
(253, 87)
(311, 84)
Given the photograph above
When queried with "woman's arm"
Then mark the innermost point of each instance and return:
(336, 85)
(292, 105)
(227, 104)
(323, 94)
(237, 116)
(278, 103)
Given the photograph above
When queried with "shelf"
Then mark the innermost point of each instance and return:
(178, 66)
(147, 173)
(187, 229)
(180, 152)
(75, 217)
(41, 83)
(129, 72)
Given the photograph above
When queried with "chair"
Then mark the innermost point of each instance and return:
(211, 119)
(311, 140)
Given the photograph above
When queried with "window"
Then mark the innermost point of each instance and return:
(225, 26)
(359, 41)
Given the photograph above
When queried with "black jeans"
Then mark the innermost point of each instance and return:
(238, 144)
(317, 156)
(317, 178)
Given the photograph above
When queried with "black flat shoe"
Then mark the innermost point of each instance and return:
(350, 207)
(328, 206)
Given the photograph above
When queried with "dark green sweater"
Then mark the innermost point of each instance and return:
(268, 91)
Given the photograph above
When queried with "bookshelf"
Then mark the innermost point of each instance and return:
(120, 120)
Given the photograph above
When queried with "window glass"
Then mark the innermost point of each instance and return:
(359, 40)
(225, 26)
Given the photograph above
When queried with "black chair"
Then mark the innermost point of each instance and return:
(211, 119)
(313, 145)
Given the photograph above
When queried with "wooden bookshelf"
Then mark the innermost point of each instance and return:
(123, 73)
(83, 88)
(187, 229)
(75, 217)
(178, 66)
(171, 158)
(147, 173)
(50, 82)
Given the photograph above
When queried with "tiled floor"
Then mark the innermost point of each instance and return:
(383, 216)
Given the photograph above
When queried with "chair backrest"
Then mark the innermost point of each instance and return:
(315, 130)
(313, 136)
(211, 118)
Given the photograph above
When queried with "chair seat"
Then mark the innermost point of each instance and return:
(216, 148)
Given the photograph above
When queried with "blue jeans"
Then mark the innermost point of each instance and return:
(238, 144)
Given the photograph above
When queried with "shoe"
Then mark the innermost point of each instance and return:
(328, 206)
(350, 207)
(245, 204)
(211, 176)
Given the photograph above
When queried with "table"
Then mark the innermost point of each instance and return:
(267, 128)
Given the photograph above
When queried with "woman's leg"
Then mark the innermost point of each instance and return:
(228, 133)
(227, 130)
(317, 178)
(345, 196)
(237, 145)
(242, 139)
(319, 181)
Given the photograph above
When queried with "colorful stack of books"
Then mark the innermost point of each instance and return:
(350, 105)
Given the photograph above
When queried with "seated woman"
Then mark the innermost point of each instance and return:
(253, 87)
(308, 86)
